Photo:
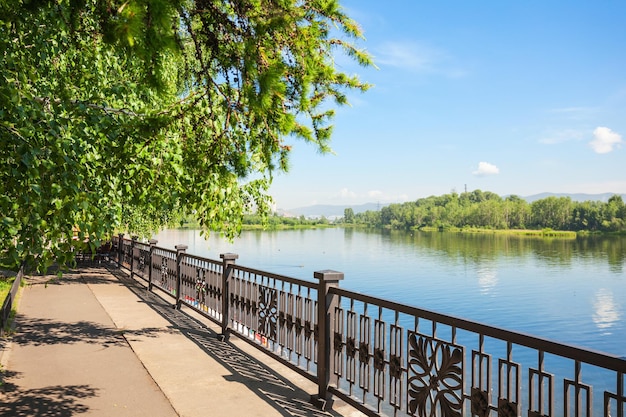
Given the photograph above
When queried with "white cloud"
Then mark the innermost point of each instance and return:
(345, 193)
(416, 57)
(485, 168)
(572, 110)
(605, 140)
(573, 113)
(406, 55)
(560, 136)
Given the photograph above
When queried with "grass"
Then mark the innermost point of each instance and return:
(543, 233)
(5, 286)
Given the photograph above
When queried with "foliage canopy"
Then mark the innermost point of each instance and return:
(484, 209)
(138, 109)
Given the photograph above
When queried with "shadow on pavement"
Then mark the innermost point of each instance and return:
(41, 332)
(53, 401)
(288, 399)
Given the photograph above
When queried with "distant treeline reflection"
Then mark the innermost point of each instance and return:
(478, 248)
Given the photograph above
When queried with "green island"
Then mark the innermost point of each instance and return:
(470, 212)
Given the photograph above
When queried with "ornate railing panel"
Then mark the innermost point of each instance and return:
(126, 253)
(201, 285)
(394, 359)
(164, 272)
(114, 255)
(278, 312)
(141, 260)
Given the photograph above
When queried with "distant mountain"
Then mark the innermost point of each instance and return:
(328, 210)
(575, 197)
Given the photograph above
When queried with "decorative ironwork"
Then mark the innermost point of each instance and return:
(350, 347)
(509, 386)
(201, 286)
(142, 260)
(164, 271)
(435, 377)
(350, 335)
(338, 342)
(298, 325)
(579, 390)
(364, 352)
(268, 308)
(620, 403)
(480, 402)
(380, 330)
(544, 390)
(395, 366)
(127, 254)
(481, 382)
(379, 359)
(507, 408)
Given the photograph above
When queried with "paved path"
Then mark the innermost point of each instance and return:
(98, 344)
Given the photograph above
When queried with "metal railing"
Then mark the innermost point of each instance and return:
(7, 304)
(382, 357)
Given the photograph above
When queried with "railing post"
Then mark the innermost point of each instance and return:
(326, 304)
(120, 249)
(133, 242)
(180, 251)
(153, 243)
(228, 260)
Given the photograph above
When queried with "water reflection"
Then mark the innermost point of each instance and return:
(487, 278)
(606, 310)
(552, 252)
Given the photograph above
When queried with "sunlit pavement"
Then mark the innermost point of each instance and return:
(97, 343)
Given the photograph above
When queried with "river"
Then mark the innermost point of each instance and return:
(572, 291)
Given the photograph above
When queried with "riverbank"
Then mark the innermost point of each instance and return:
(544, 233)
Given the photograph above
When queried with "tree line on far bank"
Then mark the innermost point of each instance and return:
(487, 210)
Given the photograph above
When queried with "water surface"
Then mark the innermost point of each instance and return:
(572, 291)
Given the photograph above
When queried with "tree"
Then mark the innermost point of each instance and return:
(348, 215)
(552, 212)
(115, 114)
(614, 213)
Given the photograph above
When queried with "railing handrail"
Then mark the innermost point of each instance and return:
(587, 355)
(271, 275)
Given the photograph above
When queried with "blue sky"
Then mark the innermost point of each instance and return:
(513, 97)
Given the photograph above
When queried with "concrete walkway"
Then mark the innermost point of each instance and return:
(99, 344)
